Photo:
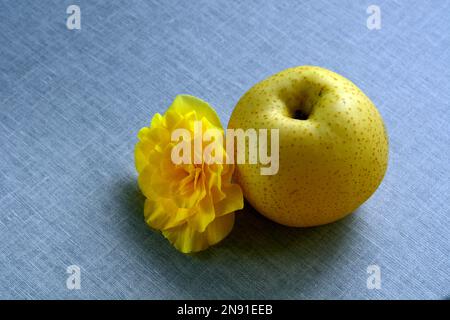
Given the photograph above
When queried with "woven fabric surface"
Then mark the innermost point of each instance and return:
(72, 101)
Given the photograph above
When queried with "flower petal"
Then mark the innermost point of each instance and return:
(141, 152)
(234, 200)
(144, 181)
(185, 103)
(204, 215)
(187, 240)
(143, 133)
(219, 228)
(160, 136)
(163, 214)
(157, 120)
(185, 194)
(172, 119)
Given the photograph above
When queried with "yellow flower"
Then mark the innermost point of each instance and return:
(192, 204)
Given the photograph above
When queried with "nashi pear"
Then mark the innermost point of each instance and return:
(333, 146)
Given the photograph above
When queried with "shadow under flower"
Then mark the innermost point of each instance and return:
(258, 259)
(254, 234)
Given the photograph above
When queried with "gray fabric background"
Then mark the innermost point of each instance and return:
(71, 103)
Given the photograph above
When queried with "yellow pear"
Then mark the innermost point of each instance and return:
(333, 146)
